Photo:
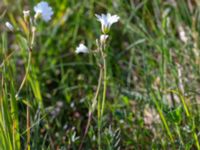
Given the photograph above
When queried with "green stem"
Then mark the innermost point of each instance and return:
(179, 134)
(104, 94)
(196, 140)
(182, 98)
(162, 117)
(99, 125)
(28, 124)
(94, 102)
(7, 58)
(28, 109)
(26, 74)
(104, 86)
(189, 116)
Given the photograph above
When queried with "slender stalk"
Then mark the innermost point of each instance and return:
(190, 117)
(26, 74)
(27, 108)
(182, 98)
(105, 83)
(179, 134)
(30, 39)
(28, 127)
(7, 58)
(196, 140)
(99, 125)
(104, 93)
(162, 117)
(92, 108)
(184, 105)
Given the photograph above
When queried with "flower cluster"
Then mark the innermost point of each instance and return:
(42, 11)
(106, 21)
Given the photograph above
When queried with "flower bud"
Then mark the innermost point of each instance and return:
(38, 14)
(26, 15)
(33, 36)
(103, 38)
(33, 29)
(9, 26)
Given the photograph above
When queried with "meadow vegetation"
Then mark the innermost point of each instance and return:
(135, 87)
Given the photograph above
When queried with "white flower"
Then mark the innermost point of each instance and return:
(43, 10)
(82, 49)
(9, 26)
(103, 38)
(106, 21)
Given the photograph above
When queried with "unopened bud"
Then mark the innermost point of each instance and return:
(26, 15)
(33, 36)
(33, 29)
(38, 15)
(9, 26)
(103, 38)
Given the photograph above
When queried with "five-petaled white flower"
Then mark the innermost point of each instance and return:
(43, 10)
(106, 21)
(82, 49)
(9, 26)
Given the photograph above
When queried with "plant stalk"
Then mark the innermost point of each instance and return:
(93, 107)
(26, 74)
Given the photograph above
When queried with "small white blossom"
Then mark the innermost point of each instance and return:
(103, 38)
(43, 10)
(9, 26)
(82, 49)
(106, 21)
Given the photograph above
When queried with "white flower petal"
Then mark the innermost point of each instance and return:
(107, 20)
(82, 49)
